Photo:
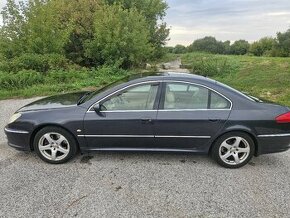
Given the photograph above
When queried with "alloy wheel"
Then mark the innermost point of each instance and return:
(54, 146)
(234, 150)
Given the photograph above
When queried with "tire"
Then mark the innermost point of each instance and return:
(233, 149)
(54, 145)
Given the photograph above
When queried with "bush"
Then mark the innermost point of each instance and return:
(19, 80)
(121, 38)
(209, 65)
(262, 47)
(61, 78)
(39, 63)
(240, 47)
(207, 44)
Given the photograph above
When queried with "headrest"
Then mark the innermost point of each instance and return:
(170, 98)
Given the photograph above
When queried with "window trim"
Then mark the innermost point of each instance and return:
(160, 98)
(156, 103)
(210, 90)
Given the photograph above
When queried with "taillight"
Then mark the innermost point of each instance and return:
(283, 118)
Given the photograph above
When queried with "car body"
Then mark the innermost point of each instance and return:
(117, 118)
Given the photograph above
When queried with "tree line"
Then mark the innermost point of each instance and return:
(91, 33)
(267, 46)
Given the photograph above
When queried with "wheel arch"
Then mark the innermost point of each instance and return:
(40, 127)
(243, 130)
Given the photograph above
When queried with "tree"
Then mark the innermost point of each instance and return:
(262, 47)
(227, 47)
(45, 33)
(67, 27)
(120, 37)
(34, 27)
(11, 32)
(207, 44)
(240, 47)
(179, 49)
(154, 12)
(283, 44)
(80, 16)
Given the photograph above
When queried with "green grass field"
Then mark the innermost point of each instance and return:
(264, 77)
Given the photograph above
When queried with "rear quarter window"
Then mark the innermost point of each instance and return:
(218, 102)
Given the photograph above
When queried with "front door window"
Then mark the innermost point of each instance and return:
(141, 97)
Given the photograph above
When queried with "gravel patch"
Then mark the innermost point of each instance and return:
(110, 184)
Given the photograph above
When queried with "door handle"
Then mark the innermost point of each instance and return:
(146, 120)
(214, 120)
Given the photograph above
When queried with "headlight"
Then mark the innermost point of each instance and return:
(14, 117)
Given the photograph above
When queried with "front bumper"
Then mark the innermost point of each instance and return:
(18, 139)
(273, 143)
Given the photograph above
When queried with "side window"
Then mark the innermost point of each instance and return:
(218, 102)
(185, 96)
(140, 97)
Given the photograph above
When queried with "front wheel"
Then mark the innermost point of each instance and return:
(233, 150)
(55, 145)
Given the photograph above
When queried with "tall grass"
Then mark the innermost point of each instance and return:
(26, 83)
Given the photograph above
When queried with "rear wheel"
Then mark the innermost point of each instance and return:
(55, 145)
(233, 150)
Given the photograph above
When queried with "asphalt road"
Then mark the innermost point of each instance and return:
(139, 184)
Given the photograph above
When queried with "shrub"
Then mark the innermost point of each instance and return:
(19, 80)
(262, 47)
(240, 47)
(39, 63)
(60, 76)
(206, 65)
(121, 38)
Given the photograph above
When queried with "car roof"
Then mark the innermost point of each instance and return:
(168, 75)
(141, 77)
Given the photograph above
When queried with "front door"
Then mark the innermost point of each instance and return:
(125, 121)
(190, 116)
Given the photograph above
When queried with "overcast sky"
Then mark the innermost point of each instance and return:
(224, 19)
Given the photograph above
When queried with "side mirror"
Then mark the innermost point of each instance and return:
(97, 108)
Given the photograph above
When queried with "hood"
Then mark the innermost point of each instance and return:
(54, 102)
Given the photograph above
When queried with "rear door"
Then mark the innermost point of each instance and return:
(189, 116)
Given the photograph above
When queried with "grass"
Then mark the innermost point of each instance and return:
(264, 77)
(29, 83)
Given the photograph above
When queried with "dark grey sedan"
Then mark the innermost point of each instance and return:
(161, 112)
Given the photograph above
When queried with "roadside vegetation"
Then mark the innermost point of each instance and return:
(264, 77)
(266, 46)
(28, 83)
(55, 46)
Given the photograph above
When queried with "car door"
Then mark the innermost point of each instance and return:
(126, 119)
(190, 116)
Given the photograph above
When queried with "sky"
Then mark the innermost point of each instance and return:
(224, 19)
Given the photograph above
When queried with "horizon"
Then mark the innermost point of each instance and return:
(225, 20)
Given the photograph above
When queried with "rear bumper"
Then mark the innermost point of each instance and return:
(18, 139)
(273, 143)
